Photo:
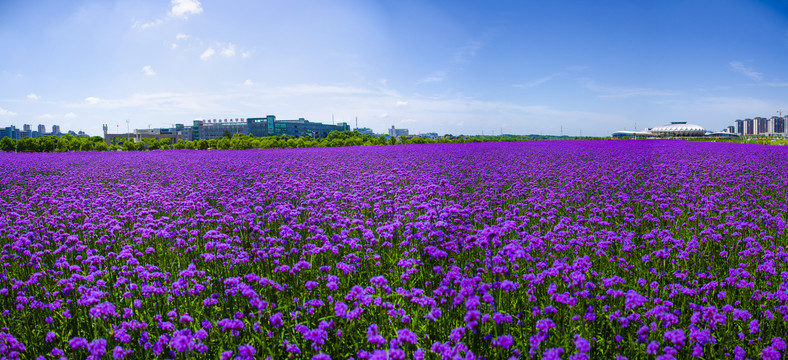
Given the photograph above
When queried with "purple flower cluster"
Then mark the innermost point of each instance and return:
(571, 249)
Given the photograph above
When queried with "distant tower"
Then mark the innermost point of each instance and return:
(106, 138)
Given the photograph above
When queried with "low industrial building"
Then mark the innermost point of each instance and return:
(217, 128)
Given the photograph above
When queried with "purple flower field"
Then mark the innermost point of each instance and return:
(658, 249)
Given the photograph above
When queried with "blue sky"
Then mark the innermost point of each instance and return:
(459, 67)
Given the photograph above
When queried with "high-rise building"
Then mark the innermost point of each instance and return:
(55, 129)
(42, 129)
(9, 131)
(749, 127)
(761, 125)
(739, 126)
(27, 127)
(777, 125)
(731, 129)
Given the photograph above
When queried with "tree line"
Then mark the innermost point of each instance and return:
(237, 142)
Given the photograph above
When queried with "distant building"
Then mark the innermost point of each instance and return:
(429, 135)
(10, 131)
(364, 131)
(217, 128)
(761, 125)
(397, 132)
(749, 127)
(629, 133)
(776, 125)
(269, 126)
(679, 128)
(739, 126)
(27, 132)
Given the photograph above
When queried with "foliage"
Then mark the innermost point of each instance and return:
(242, 142)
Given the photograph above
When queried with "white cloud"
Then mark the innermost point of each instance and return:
(534, 83)
(5, 112)
(92, 100)
(45, 116)
(32, 96)
(246, 54)
(248, 82)
(184, 8)
(147, 70)
(143, 26)
(739, 67)
(174, 46)
(70, 115)
(622, 92)
(468, 51)
(434, 77)
(207, 54)
(228, 51)
(401, 103)
(315, 89)
(181, 36)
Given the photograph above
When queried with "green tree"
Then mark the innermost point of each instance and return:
(85, 144)
(6, 144)
(26, 145)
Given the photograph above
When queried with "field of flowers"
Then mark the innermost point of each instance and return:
(532, 250)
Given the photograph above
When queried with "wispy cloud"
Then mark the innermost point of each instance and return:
(739, 67)
(147, 70)
(207, 54)
(184, 8)
(401, 103)
(70, 115)
(535, 83)
(6, 112)
(605, 91)
(468, 51)
(32, 96)
(91, 100)
(314, 89)
(248, 82)
(434, 77)
(45, 116)
(181, 36)
(228, 50)
(146, 25)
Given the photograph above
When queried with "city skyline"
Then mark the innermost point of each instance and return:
(462, 67)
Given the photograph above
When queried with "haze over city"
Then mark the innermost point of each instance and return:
(462, 67)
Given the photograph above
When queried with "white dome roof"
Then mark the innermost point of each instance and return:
(680, 128)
